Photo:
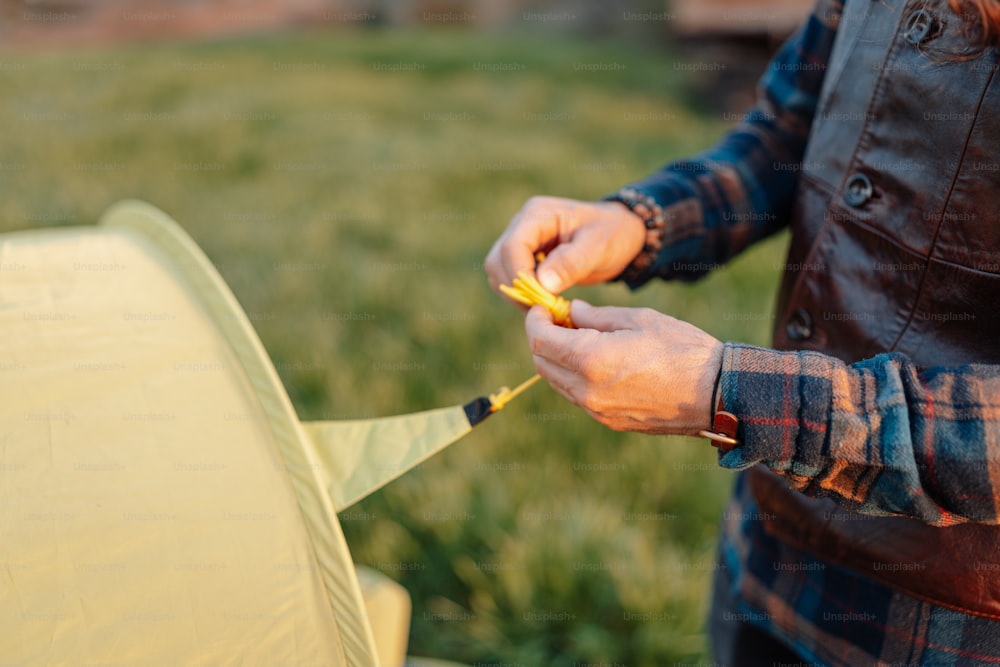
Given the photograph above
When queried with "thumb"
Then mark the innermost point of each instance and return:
(600, 318)
(569, 263)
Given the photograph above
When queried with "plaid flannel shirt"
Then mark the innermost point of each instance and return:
(880, 436)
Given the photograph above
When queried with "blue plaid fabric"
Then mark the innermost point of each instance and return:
(880, 436)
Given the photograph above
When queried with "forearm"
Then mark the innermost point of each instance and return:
(880, 436)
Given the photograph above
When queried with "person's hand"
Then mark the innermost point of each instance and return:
(632, 369)
(585, 243)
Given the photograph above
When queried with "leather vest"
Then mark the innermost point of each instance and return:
(896, 247)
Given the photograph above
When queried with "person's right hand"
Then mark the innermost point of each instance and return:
(584, 242)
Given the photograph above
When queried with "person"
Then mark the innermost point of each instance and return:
(863, 527)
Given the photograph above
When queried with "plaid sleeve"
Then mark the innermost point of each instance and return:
(702, 211)
(879, 436)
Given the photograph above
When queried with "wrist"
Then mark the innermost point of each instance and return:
(698, 412)
(650, 231)
(627, 237)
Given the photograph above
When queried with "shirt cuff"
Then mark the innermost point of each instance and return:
(782, 400)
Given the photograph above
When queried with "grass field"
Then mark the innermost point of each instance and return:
(348, 186)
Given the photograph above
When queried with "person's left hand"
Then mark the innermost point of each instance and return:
(632, 369)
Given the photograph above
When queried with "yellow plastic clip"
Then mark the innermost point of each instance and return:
(528, 291)
(503, 396)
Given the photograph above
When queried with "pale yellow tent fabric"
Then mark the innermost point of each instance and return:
(160, 502)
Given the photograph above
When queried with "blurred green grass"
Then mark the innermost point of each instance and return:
(349, 206)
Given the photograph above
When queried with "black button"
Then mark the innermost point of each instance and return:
(859, 190)
(799, 325)
(919, 26)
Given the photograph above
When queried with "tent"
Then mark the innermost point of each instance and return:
(160, 501)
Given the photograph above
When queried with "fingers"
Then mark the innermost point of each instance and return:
(572, 361)
(545, 338)
(559, 378)
(586, 242)
(581, 246)
(609, 318)
(568, 264)
(506, 258)
(549, 340)
(534, 228)
(551, 347)
(599, 240)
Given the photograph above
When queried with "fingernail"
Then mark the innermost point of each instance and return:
(549, 280)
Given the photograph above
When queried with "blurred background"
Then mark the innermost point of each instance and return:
(347, 165)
